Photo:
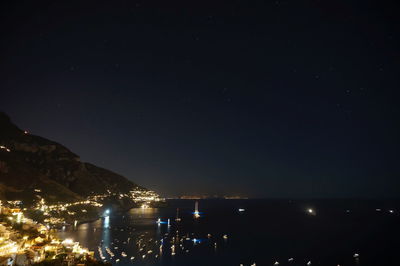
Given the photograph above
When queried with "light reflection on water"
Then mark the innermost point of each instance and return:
(278, 232)
(105, 231)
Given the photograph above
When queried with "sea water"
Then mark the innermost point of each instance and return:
(264, 232)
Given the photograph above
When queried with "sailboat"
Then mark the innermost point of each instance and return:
(177, 219)
(196, 210)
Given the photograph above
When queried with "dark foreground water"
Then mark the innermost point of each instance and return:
(268, 231)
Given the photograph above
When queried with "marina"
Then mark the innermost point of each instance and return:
(222, 236)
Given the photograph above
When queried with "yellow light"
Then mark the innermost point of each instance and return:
(68, 241)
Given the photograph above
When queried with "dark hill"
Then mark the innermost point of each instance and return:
(29, 162)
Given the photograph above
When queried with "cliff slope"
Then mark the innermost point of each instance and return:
(29, 162)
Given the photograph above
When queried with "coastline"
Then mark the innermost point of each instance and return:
(116, 212)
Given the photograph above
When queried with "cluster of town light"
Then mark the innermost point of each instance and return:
(14, 244)
(52, 212)
(41, 205)
(144, 196)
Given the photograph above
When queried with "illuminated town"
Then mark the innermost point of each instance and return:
(24, 241)
(93, 206)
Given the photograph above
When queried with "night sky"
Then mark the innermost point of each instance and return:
(256, 98)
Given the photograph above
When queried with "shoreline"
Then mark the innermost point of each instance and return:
(117, 212)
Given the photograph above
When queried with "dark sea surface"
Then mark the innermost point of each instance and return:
(268, 231)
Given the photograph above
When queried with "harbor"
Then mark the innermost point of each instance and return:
(223, 235)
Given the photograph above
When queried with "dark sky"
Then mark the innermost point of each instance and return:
(258, 98)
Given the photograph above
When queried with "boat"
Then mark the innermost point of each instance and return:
(177, 219)
(110, 252)
(196, 210)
